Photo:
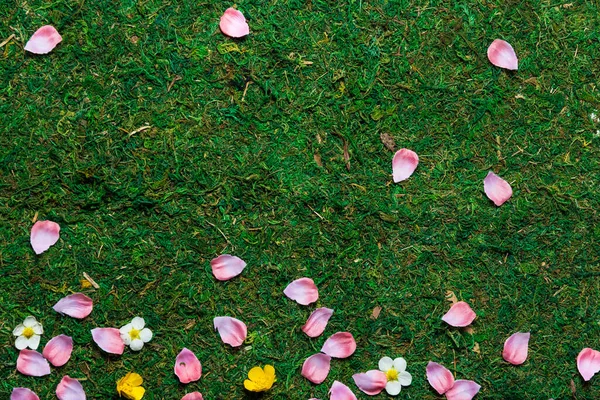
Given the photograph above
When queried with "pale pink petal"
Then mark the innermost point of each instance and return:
(70, 389)
(515, 348)
(339, 391)
(109, 340)
(32, 363)
(43, 40)
(303, 291)
(77, 305)
(187, 366)
(43, 235)
(588, 363)
(496, 189)
(316, 323)
(23, 394)
(339, 345)
(58, 350)
(460, 314)
(226, 267)
(316, 368)
(234, 24)
(463, 390)
(404, 163)
(501, 54)
(371, 382)
(439, 377)
(193, 396)
(232, 331)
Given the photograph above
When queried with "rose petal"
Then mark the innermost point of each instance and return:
(77, 305)
(463, 390)
(496, 189)
(404, 163)
(70, 389)
(43, 235)
(459, 315)
(58, 350)
(439, 377)
(588, 363)
(339, 345)
(234, 24)
(32, 363)
(193, 396)
(109, 340)
(23, 394)
(316, 368)
(502, 54)
(371, 382)
(43, 40)
(515, 348)
(303, 291)
(316, 323)
(226, 267)
(339, 391)
(232, 330)
(187, 366)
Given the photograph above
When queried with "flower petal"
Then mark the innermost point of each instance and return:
(146, 335)
(21, 343)
(232, 330)
(385, 363)
(70, 389)
(136, 344)
(43, 40)
(515, 348)
(23, 394)
(316, 368)
(58, 350)
(303, 291)
(339, 391)
(32, 363)
(227, 266)
(30, 322)
(371, 382)
(502, 54)
(588, 363)
(43, 235)
(193, 396)
(400, 364)
(463, 390)
(459, 315)
(234, 24)
(138, 323)
(187, 366)
(109, 340)
(33, 342)
(393, 388)
(19, 329)
(339, 345)
(404, 163)
(405, 378)
(316, 323)
(439, 377)
(77, 305)
(496, 189)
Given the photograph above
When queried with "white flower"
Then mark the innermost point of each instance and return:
(135, 335)
(28, 334)
(395, 371)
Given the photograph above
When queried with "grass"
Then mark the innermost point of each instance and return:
(245, 155)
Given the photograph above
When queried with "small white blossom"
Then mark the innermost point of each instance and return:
(395, 371)
(135, 335)
(28, 334)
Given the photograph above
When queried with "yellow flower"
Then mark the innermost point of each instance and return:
(130, 387)
(260, 380)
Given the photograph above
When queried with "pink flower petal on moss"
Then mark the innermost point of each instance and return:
(43, 235)
(77, 305)
(234, 24)
(588, 363)
(502, 54)
(193, 396)
(339, 345)
(32, 363)
(459, 315)
(339, 391)
(227, 266)
(187, 366)
(316, 323)
(109, 340)
(303, 291)
(23, 394)
(404, 163)
(496, 189)
(463, 390)
(515, 348)
(58, 350)
(232, 330)
(43, 40)
(371, 382)
(70, 389)
(439, 377)
(316, 368)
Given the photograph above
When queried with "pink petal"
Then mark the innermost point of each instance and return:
(226, 267)
(109, 340)
(339, 345)
(316, 368)
(23, 394)
(339, 391)
(303, 291)
(316, 323)
(515, 348)
(234, 24)
(43, 235)
(460, 314)
(43, 40)
(70, 389)
(371, 382)
(77, 305)
(58, 350)
(496, 189)
(463, 390)
(588, 363)
(232, 331)
(501, 54)
(187, 366)
(404, 163)
(32, 363)
(193, 396)
(439, 377)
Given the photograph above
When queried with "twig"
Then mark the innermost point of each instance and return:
(11, 37)
(140, 129)
(220, 231)
(91, 281)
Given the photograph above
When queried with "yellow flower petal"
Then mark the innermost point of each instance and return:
(251, 386)
(256, 374)
(134, 379)
(137, 393)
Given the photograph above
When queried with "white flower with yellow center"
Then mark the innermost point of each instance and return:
(135, 335)
(28, 334)
(395, 372)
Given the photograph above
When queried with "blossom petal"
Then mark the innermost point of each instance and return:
(303, 291)
(187, 366)
(371, 382)
(515, 348)
(70, 389)
(23, 394)
(459, 315)
(136, 344)
(393, 388)
(463, 390)
(400, 364)
(138, 323)
(33, 342)
(339, 345)
(502, 54)
(58, 350)
(496, 189)
(109, 340)
(193, 396)
(77, 305)
(31, 322)
(588, 363)
(32, 363)
(404, 163)
(316, 323)
(234, 24)
(21, 343)
(146, 335)
(439, 377)
(232, 330)
(339, 391)
(43, 40)
(385, 363)
(43, 235)
(316, 368)
(227, 266)
(405, 378)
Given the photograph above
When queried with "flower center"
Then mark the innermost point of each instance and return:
(28, 332)
(391, 374)
(134, 333)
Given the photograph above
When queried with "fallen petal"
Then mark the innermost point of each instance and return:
(187, 366)
(58, 350)
(339, 345)
(43, 235)
(232, 330)
(439, 377)
(339, 391)
(226, 267)
(316, 323)
(502, 54)
(32, 363)
(193, 396)
(43, 41)
(234, 24)
(515, 348)
(459, 315)
(316, 368)
(463, 390)
(70, 389)
(496, 189)
(303, 291)
(371, 382)
(404, 163)
(109, 340)
(588, 363)
(77, 305)
(23, 394)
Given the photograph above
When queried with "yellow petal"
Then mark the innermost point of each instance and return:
(270, 372)
(251, 386)
(134, 379)
(256, 374)
(137, 393)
